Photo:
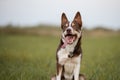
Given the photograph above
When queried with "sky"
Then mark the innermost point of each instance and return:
(32, 12)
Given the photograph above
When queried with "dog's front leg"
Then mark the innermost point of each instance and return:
(77, 68)
(76, 72)
(59, 71)
(62, 57)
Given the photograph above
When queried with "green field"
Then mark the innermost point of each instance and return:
(30, 57)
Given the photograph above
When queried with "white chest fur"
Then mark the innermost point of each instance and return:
(70, 64)
(64, 52)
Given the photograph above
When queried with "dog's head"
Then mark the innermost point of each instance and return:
(71, 30)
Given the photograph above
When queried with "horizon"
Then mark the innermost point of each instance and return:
(54, 26)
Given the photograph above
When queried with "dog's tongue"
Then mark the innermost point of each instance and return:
(68, 40)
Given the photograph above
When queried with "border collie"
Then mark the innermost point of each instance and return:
(69, 52)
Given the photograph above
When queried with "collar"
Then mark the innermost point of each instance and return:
(70, 54)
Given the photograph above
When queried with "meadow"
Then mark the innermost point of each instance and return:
(32, 57)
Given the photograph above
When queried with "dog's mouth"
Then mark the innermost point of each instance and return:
(70, 38)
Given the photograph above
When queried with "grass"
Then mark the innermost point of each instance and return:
(101, 58)
(30, 57)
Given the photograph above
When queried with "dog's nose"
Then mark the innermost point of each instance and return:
(68, 31)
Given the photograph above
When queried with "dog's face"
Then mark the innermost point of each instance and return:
(71, 31)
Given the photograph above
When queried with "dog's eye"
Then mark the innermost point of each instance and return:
(66, 25)
(73, 24)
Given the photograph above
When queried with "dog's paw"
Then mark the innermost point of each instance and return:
(53, 77)
(82, 77)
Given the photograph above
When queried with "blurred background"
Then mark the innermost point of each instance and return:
(105, 13)
(30, 33)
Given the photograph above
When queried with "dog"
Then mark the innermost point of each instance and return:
(69, 52)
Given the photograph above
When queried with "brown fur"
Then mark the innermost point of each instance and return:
(76, 25)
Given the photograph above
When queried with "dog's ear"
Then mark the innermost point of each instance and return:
(64, 19)
(78, 19)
